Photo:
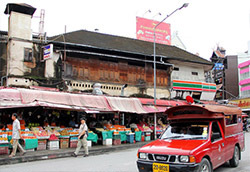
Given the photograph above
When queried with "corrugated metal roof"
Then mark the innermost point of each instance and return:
(127, 45)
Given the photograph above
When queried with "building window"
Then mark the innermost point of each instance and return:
(74, 71)
(195, 73)
(68, 69)
(81, 72)
(28, 54)
(86, 72)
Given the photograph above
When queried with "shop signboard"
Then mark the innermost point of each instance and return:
(193, 86)
(242, 103)
(207, 90)
(145, 31)
(47, 52)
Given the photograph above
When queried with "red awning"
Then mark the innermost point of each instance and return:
(168, 103)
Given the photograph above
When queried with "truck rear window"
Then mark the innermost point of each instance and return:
(194, 131)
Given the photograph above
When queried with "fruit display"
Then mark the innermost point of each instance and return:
(40, 133)
(53, 137)
(64, 133)
(33, 125)
(3, 137)
(73, 133)
(54, 131)
(29, 137)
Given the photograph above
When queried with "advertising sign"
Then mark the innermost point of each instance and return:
(47, 51)
(242, 103)
(145, 31)
(218, 66)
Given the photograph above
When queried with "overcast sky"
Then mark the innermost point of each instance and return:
(202, 26)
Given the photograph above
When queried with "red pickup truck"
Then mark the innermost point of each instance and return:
(199, 138)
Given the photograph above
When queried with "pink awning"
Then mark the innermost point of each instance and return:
(131, 105)
(154, 109)
(63, 98)
(19, 97)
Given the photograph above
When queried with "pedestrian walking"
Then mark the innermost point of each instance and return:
(16, 135)
(82, 139)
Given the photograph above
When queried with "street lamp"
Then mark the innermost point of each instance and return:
(183, 6)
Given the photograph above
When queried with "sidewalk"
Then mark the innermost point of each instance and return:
(62, 153)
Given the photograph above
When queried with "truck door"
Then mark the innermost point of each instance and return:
(217, 145)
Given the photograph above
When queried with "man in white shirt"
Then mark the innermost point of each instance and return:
(16, 135)
(82, 139)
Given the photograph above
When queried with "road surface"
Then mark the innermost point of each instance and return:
(119, 161)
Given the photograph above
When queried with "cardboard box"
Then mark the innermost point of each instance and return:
(42, 144)
(89, 143)
(64, 143)
(107, 142)
(53, 144)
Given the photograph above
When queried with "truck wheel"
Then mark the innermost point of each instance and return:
(205, 166)
(234, 162)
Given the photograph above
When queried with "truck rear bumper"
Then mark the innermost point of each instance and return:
(146, 166)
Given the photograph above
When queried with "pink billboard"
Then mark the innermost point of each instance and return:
(145, 31)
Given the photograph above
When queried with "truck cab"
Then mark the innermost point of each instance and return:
(199, 138)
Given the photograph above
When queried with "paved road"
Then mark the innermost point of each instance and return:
(119, 161)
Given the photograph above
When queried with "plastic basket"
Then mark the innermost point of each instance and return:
(4, 150)
(117, 137)
(147, 138)
(130, 138)
(116, 142)
(73, 144)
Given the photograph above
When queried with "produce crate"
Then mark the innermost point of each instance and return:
(130, 138)
(107, 142)
(64, 143)
(117, 137)
(117, 142)
(89, 143)
(73, 144)
(147, 138)
(53, 144)
(4, 150)
(41, 144)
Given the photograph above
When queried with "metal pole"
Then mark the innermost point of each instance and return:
(183, 6)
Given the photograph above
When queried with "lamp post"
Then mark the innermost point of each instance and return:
(183, 6)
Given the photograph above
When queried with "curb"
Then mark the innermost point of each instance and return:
(64, 153)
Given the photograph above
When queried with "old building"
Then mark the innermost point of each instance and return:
(77, 60)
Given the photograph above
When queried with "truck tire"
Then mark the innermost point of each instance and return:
(234, 162)
(205, 166)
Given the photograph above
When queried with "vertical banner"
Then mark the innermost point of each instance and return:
(145, 31)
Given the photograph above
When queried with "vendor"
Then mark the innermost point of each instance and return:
(72, 122)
